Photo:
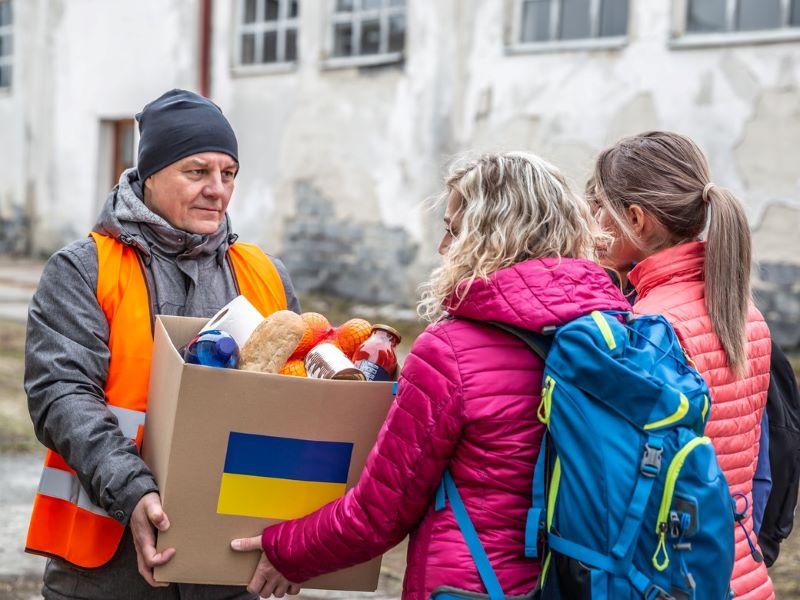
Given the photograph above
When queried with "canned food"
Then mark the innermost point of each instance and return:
(326, 361)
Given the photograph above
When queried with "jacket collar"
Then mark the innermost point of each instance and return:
(681, 263)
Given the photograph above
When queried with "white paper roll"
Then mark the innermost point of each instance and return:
(238, 318)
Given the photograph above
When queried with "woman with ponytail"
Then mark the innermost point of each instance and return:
(654, 197)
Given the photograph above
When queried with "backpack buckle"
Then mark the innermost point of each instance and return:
(651, 461)
(654, 592)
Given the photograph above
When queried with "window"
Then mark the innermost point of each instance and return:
(267, 32)
(124, 149)
(723, 16)
(116, 152)
(6, 43)
(368, 31)
(543, 21)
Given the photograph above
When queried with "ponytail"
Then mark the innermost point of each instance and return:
(727, 274)
(667, 175)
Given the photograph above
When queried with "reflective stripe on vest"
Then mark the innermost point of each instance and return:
(65, 522)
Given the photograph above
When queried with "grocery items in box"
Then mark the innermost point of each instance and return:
(317, 330)
(212, 348)
(306, 345)
(273, 342)
(238, 318)
(295, 367)
(327, 361)
(377, 356)
(352, 334)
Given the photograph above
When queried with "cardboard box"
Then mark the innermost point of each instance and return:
(202, 424)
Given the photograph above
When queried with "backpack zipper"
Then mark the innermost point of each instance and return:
(673, 472)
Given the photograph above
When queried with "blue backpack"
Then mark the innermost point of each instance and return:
(629, 501)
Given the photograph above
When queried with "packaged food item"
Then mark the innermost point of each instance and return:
(295, 368)
(327, 361)
(212, 348)
(353, 333)
(272, 342)
(317, 330)
(377, 357)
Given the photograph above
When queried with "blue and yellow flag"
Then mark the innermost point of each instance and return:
(281, 478)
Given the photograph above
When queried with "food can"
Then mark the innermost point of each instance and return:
(326, 361)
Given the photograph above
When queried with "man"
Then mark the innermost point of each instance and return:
(162, 245)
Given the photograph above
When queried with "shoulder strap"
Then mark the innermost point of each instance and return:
(538, 342)
(449, 491)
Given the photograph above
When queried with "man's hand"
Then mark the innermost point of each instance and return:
(148, 514)
(266, 580)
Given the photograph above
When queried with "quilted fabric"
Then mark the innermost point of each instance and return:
(671, 283)
(467, 398)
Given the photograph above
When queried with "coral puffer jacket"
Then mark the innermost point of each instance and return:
(671, 283)
(467, 400)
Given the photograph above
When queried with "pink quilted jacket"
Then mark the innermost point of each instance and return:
(467, 399)
(671, 283)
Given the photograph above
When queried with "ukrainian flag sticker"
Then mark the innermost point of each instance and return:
(281, 478)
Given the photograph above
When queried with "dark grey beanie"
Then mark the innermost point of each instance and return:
(177, 125)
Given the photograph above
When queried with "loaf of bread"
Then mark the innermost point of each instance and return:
(272, 342)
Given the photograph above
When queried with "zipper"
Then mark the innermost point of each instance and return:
(547, 400)
(661, 558)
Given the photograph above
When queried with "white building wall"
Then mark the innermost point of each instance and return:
(78, 62)
(360, 149)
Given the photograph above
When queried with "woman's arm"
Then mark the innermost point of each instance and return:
(402, 472)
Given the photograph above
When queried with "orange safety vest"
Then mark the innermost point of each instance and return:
(65, 522)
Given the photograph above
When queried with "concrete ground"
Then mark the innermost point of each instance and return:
(21, 456)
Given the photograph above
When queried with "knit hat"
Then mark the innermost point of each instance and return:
(177, 125)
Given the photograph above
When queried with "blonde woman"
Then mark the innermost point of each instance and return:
(514, 249)
(654, 195)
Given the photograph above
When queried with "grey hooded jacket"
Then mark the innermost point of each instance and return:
(66, 350)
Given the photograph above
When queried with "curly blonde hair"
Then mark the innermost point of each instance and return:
(512, 207)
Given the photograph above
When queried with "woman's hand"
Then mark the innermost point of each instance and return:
(266, 581)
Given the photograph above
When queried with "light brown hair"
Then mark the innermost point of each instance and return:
(667, 175)
(513, 207)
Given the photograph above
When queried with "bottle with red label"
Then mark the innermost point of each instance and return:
(377, 356)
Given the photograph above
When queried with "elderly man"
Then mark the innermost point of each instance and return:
(162, 245)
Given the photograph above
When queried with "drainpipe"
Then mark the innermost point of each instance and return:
(205, 47)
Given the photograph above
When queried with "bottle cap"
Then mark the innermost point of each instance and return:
(387, 329)
(227, 346)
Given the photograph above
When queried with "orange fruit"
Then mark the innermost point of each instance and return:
(318, 328)
(352, 334)
(295, 368)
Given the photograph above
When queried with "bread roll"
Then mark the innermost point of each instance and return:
(272, 342)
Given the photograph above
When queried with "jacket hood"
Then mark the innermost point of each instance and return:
(125, 217)
(539, 293)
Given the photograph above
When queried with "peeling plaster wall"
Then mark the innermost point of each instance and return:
(82, 61)
(372, 142)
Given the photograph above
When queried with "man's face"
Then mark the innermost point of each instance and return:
(193, 193)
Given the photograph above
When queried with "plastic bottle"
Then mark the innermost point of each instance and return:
(212, 348)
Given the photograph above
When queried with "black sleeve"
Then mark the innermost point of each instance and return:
(783, 410)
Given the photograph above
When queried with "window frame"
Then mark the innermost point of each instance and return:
(258, 28)
(682, 38)
(355, 18)
(593, 42)
(7, 60)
